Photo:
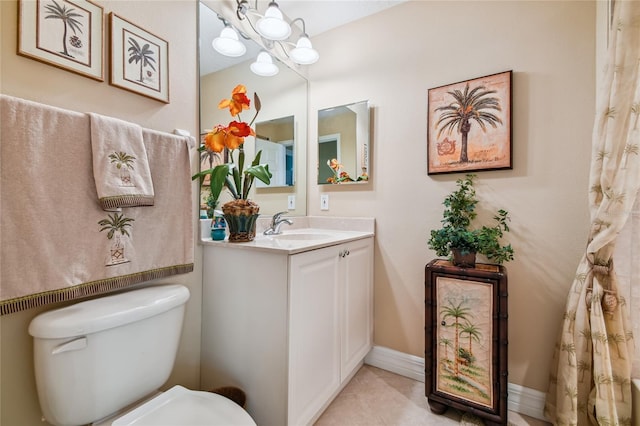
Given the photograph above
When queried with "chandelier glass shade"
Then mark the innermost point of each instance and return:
(228, 43)
(272, 25)
(304, 53)
(264, 65)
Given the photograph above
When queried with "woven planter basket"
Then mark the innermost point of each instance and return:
(241, 216)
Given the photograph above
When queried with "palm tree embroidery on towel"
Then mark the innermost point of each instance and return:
(117, 225)
(124, 162)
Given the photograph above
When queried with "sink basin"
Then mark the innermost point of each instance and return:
(303, 237)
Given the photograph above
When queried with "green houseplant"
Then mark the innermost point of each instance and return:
(240, 213)
(459, 240)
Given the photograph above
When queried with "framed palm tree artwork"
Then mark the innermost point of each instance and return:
(67, 34)
(469, 125)
(139, 60)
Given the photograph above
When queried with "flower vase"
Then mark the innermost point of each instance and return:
(241, 216)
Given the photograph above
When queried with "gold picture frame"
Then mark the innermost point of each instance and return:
(469, 125)
(67, 34)
(139, 60)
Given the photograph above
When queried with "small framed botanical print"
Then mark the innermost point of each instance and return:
(67, 34)
(139, 60)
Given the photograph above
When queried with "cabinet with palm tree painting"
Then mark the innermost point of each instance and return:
(466, 316)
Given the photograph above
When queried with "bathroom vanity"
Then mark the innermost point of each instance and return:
(288, 318)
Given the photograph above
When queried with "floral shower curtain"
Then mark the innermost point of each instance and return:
(590, 380)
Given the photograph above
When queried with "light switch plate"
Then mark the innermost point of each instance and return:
(291, 202)
(324, 202)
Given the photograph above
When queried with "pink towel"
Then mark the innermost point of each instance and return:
(57, 242)
(120, 164)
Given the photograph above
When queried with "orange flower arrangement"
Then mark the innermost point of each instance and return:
(339, 175)
(237, 180)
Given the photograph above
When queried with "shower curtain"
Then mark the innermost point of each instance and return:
(591, 371)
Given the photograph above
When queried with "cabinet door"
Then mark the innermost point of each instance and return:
(314, 339)
(357, 305)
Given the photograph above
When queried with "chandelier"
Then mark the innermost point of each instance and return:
(274, 30)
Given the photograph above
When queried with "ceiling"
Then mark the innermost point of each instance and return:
(319, 16)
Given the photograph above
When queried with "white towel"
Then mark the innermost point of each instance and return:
(120, 164)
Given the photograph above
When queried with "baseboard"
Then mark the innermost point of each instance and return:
(529, 402)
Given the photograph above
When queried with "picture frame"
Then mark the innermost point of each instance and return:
(67, 34)
(466, 339)
(474, 140)
(139, 60)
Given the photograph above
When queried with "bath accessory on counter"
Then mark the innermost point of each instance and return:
(53, 247)
(120, 164)
(218, 227)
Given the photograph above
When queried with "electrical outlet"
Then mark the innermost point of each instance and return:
(291, 202)
(324, 202)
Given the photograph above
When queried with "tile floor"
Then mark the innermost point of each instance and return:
(376, 397)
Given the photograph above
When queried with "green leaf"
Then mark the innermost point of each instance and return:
(231, 187)
(238, 170)
(218, 179)
(261, 171)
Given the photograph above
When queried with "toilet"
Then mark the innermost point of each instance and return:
(102, 361)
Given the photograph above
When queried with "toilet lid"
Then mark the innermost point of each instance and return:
(183, 407)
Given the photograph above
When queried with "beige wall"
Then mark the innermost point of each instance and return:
(392, 59)
(22, 77)
(551, 49)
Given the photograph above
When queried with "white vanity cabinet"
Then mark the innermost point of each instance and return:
(288, 329)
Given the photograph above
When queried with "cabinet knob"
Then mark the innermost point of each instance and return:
(343, 253)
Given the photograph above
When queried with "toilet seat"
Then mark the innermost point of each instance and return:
(179, 406)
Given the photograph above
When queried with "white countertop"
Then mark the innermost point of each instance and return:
(306, 233)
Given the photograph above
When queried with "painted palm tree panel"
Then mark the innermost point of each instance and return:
(465, 335)
(64, 33)
(139, 61)
(469, 125)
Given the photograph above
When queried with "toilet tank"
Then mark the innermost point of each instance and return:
(95, 357)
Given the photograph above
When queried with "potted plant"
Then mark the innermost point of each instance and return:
(240, 213)
(458, 240)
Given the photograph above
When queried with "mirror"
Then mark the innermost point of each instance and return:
(276, 139)
(343, 144)
(281, 123)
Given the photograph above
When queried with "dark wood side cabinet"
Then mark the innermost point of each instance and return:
(466, 339)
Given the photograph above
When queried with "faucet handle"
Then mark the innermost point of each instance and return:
(276, 217)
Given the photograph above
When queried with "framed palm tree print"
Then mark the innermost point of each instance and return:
(469, 125)
(139, 60)
(67, 34)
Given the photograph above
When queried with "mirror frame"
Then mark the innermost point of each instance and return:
(281, 132)
(351, 163)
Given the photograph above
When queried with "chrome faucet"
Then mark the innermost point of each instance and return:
(276, 223)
